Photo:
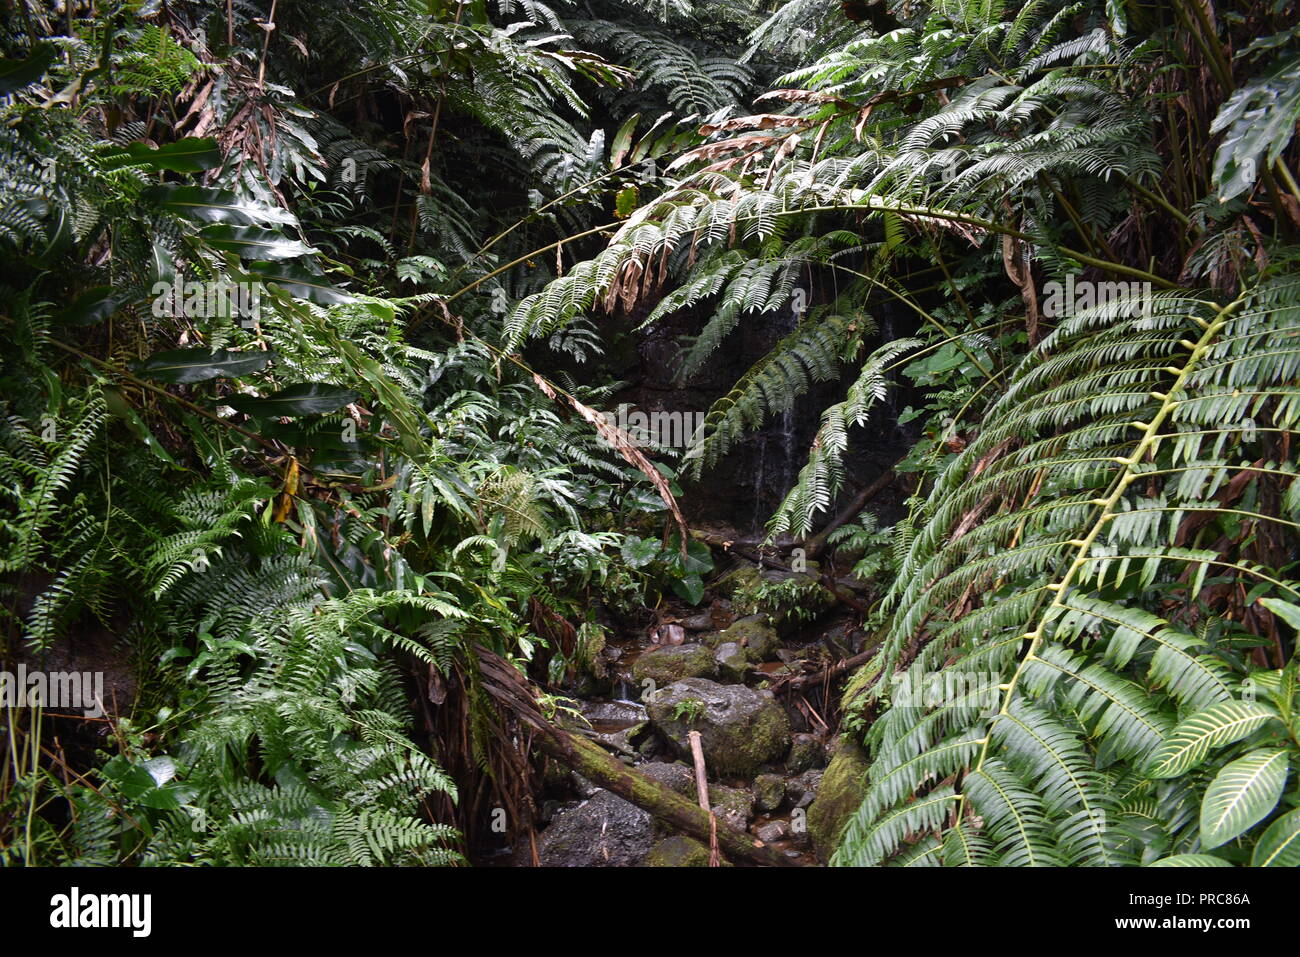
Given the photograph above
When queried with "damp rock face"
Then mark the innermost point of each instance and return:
(740, 729)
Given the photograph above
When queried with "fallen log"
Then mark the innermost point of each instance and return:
(508, 687)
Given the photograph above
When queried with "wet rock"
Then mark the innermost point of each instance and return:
(678, 777)
(843, 639)
(613, 715)
(843, 786)
(733, 806)
(603, 831)
(740, 728)
(668, 663)
(772, 831)
(701, 622)
(801, 790)
(581, 786)
(806, 751)
(733, 663)
(769, 791)
(680, 851)
(623, 743)
(753, 635)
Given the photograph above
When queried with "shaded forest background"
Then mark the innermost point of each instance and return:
(310, 313)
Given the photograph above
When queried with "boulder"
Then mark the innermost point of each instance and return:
(740, 728)
(603, 831)
(843, 786)
(678, 777)
(668, 663)
(753, 635)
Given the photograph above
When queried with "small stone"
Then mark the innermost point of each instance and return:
(733, 663)
(733, 806)
(769, 791)
(801, 790)
(805, 752)
(772, 831)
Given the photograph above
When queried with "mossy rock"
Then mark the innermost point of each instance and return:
(741, 578)
(843, 786)
(670, 663)
(754, 635)
(733, 806)
(733, 663)
(805, 752)
(769, 791)
(680, 851)
(740, 729)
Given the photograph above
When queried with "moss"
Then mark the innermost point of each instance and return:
(769, 791)
(740, 578)
(843, 787)
(671, 663)
(679, 851)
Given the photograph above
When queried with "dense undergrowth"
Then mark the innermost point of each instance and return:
(301, 520)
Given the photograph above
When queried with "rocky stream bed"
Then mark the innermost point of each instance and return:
(775, 767)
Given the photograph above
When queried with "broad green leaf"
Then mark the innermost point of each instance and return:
(1191, 860)
(93, 305)
(196, 365)
(298, 282)
(16, 74)
(253, 242)
(305, 398)
(1242, 794)
(1279, 845)
(639, 552)
(1214, 727)
(190, 155)
(213, 205)
(1283, 609)
(690, 589)
(1260, 119)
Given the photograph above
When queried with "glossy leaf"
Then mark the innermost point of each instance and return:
(306, 398)
(1214, 727)
(16, 74)
(197, 365)
(1242, 794)
(93, 305)
(298, 282)
(209, 205)
(1279, 845)
(190, 155)
(254, 242)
